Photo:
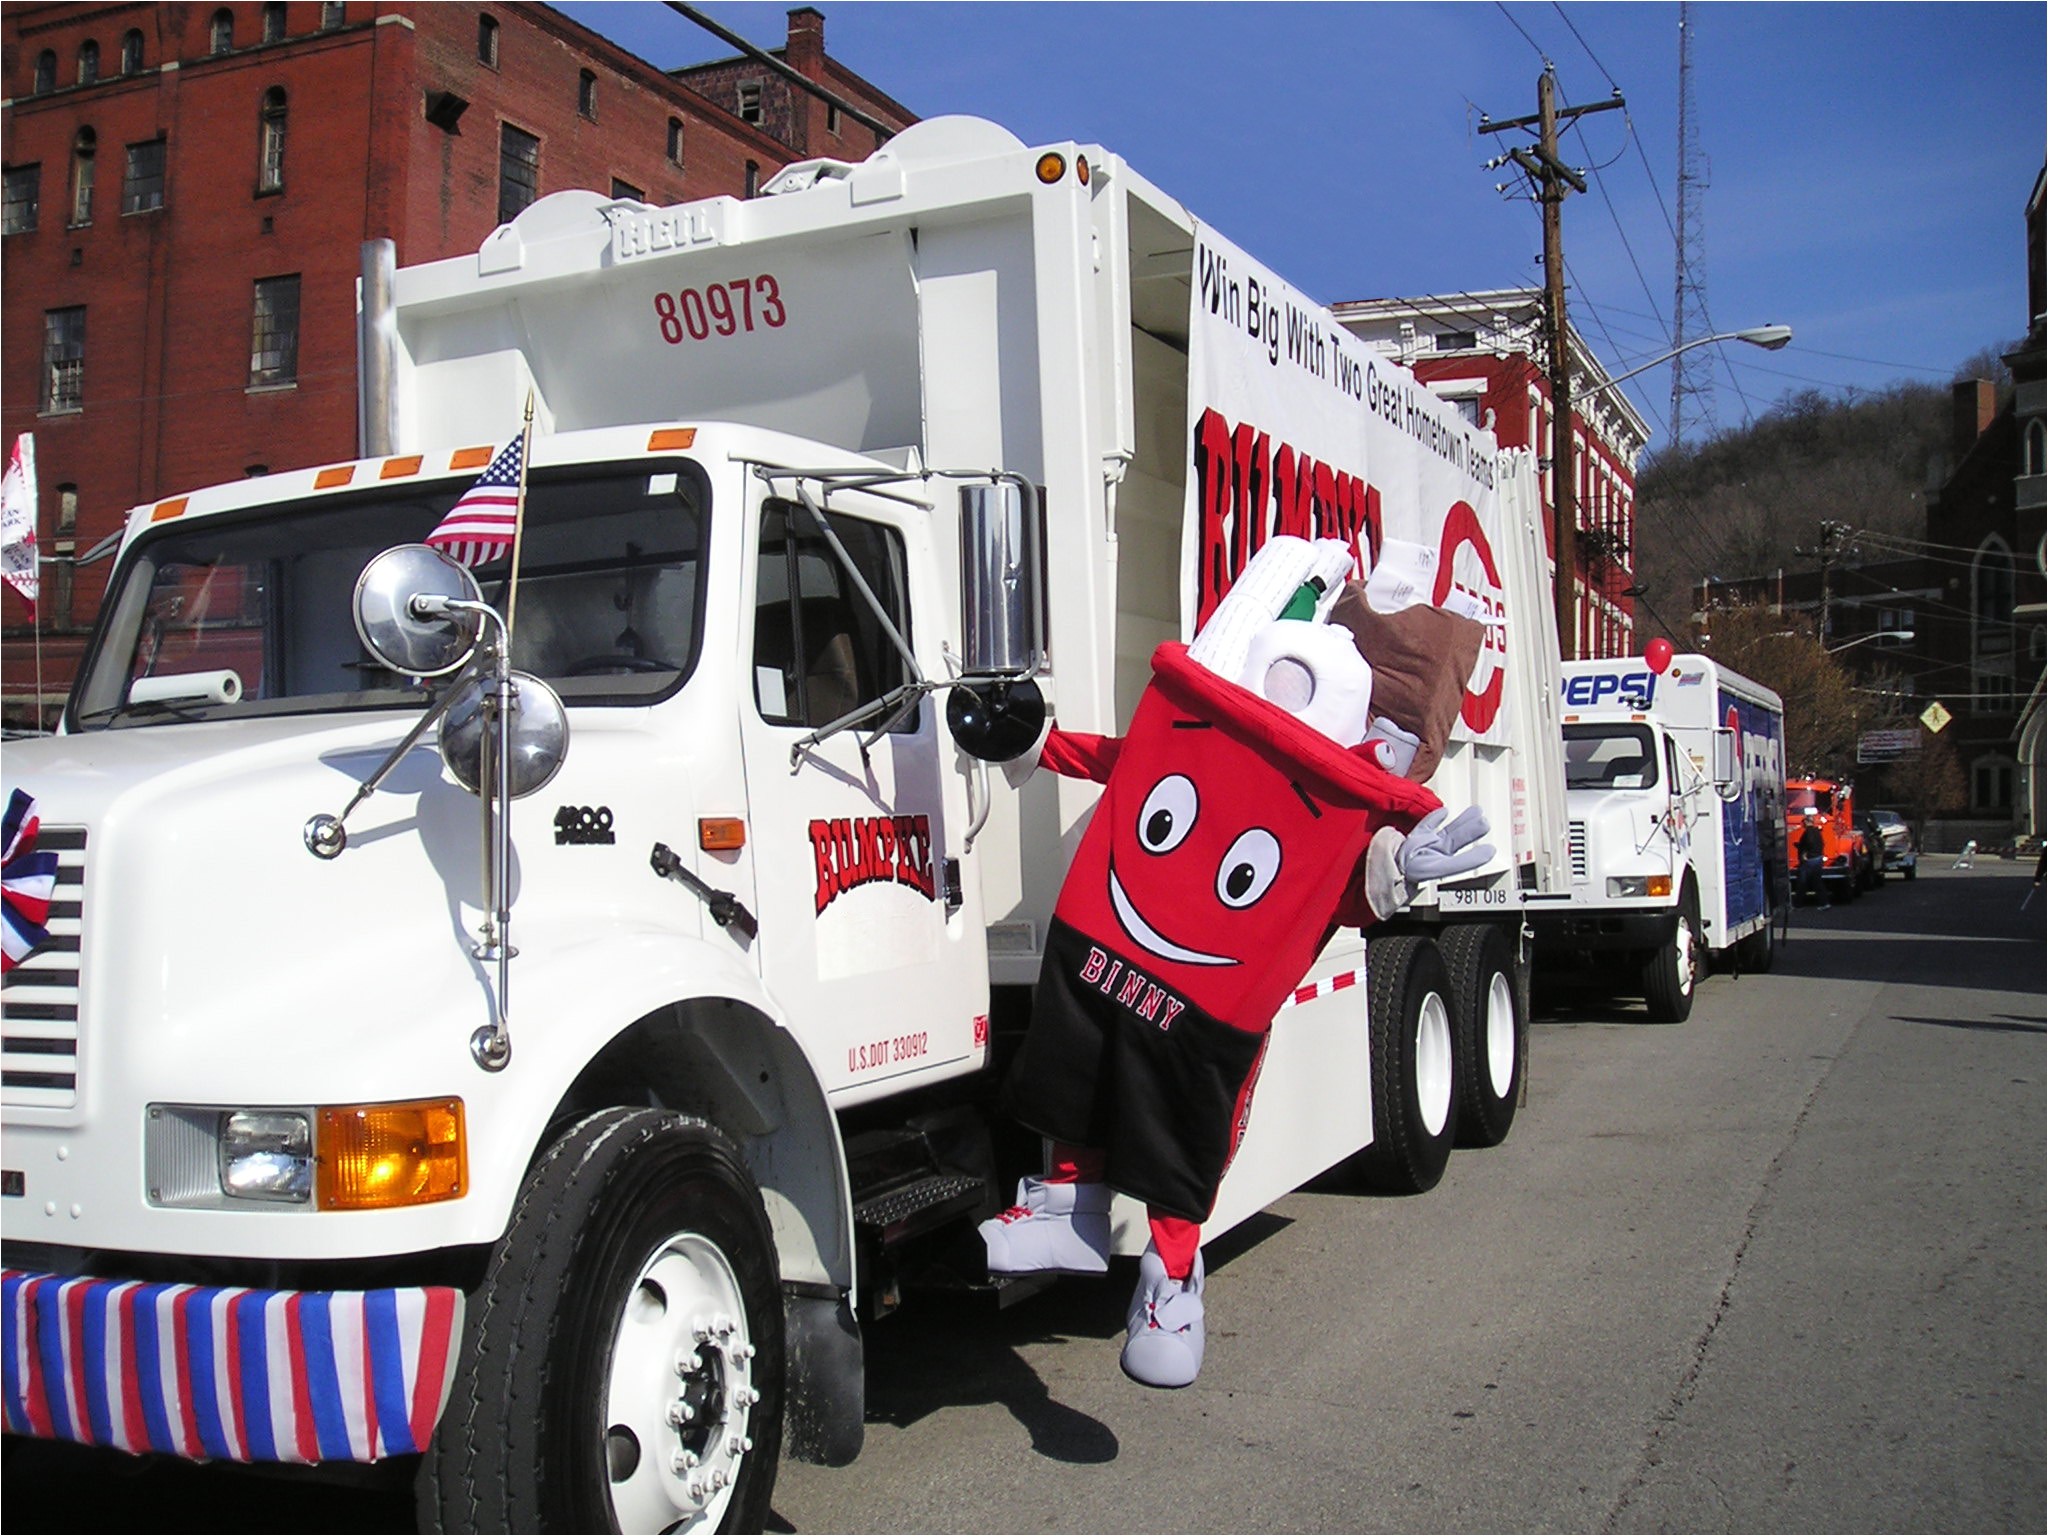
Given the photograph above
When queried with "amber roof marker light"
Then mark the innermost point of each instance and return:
(1052, 165)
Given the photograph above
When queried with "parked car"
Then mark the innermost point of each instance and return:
(1870, 861)
(1895, 836)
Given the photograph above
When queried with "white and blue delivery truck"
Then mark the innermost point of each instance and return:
(1675, 796)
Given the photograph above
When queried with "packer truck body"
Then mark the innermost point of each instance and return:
(623, 1057)
(1676, 784)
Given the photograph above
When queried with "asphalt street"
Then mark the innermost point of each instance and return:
(1778, 1268)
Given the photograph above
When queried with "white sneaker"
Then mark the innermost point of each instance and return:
(1165, 1321)
(1053, 1228)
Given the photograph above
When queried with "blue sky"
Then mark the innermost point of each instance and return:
(1869, 163)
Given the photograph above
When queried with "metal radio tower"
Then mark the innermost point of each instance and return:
(1692, 377)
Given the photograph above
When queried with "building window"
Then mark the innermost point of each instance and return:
(273, 22)
(675, 141)
(64, 359)
(274, 332)
(24, 195)
(2034, 458)
(270, 142)
(83, 149)
(518, 172)
(223, 37)
(332, 14)
(1457, 341)
(1991, 785)
(142, 182)
(832, 118)
(1468, 407)
(753, 177)
(64, 548)
(487, 41)
(586, 95)
(131, 52)
(627, 189)
(88, 62)
(750, 101)
(46, 72)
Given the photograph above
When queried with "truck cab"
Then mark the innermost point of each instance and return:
(1848, 863)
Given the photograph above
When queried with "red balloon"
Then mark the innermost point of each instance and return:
(1658, 654)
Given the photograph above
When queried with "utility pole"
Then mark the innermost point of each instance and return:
(1827, 551)
(1552, 179)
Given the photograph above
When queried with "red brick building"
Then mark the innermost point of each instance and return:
(182, 178)
(1486, 353)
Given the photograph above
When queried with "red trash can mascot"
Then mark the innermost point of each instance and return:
(1246, 814)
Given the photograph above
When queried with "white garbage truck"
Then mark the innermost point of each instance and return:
(1676, 782)
(521, 1024)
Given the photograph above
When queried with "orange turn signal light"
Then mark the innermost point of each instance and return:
(1052, 165)
(721, 834)
(379, 1156)
(1658, 885)
(1081, 168)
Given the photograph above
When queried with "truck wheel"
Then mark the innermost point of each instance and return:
(1672, 970)
(1414, 1108)
(623, 1368)
(1489, 1030)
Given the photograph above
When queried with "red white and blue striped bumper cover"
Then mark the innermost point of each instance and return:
(226, 1374)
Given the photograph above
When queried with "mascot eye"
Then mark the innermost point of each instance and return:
(1249, 869)
(1168, 814)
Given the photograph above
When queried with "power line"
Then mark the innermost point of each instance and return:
(1616, 84)
(1524, 31)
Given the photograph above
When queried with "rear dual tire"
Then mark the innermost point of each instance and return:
(1413, 1047)
(1491, 1030)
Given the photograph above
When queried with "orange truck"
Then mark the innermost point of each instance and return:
(1846, 853)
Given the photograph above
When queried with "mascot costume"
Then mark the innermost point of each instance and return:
(1269, 790)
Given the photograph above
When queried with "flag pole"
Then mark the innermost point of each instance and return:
(518, 523)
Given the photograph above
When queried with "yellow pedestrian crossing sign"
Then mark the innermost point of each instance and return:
(1935, 716)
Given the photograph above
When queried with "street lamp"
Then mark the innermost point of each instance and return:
(1769, 337)
(1882, 634)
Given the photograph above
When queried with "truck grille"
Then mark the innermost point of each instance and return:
(1576, 842)
(39, 997)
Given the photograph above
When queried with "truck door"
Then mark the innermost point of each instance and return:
(876, 964)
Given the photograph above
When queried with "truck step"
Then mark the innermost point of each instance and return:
(919, 1206)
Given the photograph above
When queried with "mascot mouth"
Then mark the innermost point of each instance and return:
(1148, 938)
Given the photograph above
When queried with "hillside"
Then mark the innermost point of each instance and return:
(1743, 502)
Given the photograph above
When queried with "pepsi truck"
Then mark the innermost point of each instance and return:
(1675, 796)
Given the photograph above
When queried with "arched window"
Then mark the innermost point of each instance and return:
(88, 62)
(2036, 453)
(131, 52)
(46, 72)
(487, 41)
(273, 22)
(82, 151)
(223, 31)
(270, 142)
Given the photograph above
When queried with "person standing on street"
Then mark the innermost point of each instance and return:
(1813, 851)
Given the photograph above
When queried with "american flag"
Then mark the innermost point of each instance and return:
(30, 879)
(478, 528)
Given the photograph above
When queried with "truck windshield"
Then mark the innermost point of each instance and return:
(609, 608)
(1799, 799)
(1609, 757)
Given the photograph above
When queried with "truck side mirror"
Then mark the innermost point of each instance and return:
(404, 615)
(1002, 600)
(1727, 767)
(995, 719)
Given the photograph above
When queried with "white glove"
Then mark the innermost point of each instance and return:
(1435, 850)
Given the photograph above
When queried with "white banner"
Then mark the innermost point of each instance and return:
(1298, 427)
(18, 520)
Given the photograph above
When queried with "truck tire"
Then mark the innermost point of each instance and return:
(1672, 972)
(1490, 1030)
(623, 1366)
(1414, 1076)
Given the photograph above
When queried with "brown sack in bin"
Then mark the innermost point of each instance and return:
(1421, 659)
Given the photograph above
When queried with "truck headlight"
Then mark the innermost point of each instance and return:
(1638, 885)
(266, 1154)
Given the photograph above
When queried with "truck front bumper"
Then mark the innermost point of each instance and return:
(1605, 930)
(222, 1373)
